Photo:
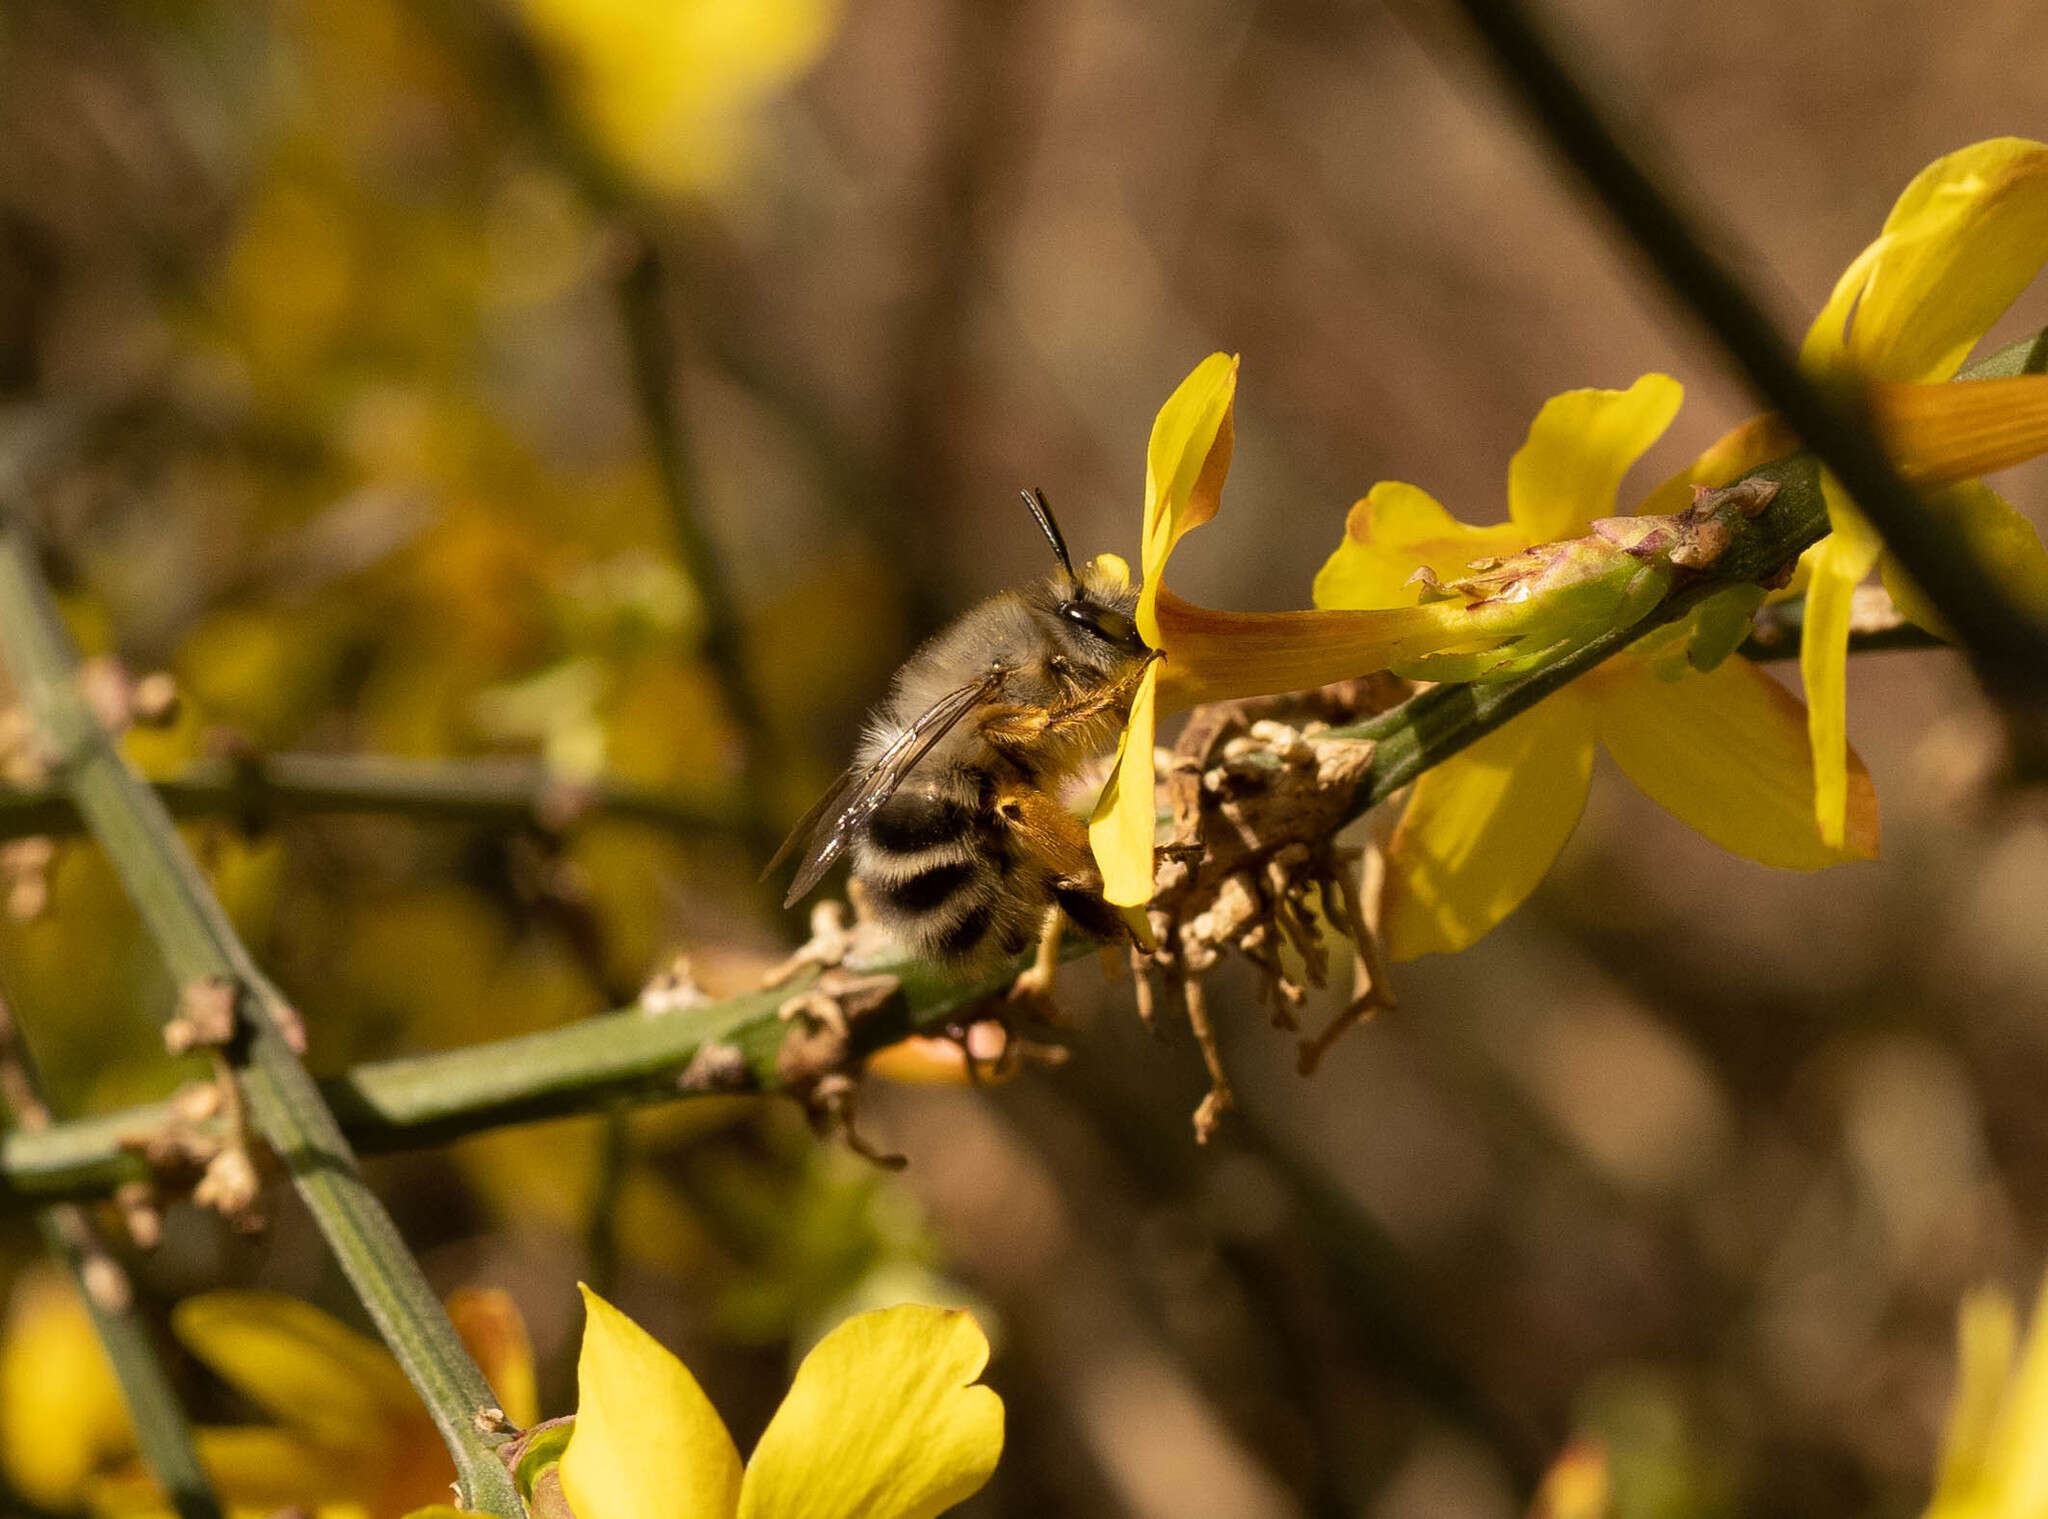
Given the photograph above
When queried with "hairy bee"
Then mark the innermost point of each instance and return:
(960, 844)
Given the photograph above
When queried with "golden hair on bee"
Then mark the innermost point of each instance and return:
(951, 812)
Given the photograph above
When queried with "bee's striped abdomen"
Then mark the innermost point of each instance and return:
(922, 817)
(936, 869)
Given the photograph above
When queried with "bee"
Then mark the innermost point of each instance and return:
(961, 847)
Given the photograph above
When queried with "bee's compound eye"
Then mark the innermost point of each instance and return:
(1106, 623)
(1114, 626)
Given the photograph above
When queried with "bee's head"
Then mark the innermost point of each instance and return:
(1094, 605)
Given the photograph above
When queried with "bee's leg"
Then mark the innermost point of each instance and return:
(1035, 984)
(1013, 725)
(1056, 844)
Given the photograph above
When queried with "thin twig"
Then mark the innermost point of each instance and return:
(1872, 630)
(2007, 646)
(632, 1056)
(163, 1434)
(657, 390)
(505, 793)
(200, 946)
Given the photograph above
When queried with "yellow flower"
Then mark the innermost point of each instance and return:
(1994, 1457)
(1207, 655)
(350, 1437)
(1724, 751)
(668, 85)
(1967, 236)
(61, 1415)
(884, 1421)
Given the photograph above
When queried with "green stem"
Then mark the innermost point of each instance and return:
(197, 942)
(163, 1435)
(506, 793)
(2007, 645)
(627, 1057)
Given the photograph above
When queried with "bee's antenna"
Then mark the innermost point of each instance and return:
(1041, 511)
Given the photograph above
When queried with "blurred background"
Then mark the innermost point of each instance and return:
(630, 384)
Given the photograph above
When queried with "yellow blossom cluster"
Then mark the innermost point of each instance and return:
(1707, 736)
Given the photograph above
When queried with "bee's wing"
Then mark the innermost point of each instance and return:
(856, 795)
(808, 823)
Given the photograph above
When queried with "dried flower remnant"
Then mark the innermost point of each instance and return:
(25, 863)
(205, 1018)
(1254, 867)
(673, 989)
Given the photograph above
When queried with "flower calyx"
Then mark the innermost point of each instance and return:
(1550, 598)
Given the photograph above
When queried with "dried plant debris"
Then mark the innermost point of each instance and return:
(833, 1104)
(1253, 866)
(834, 941)
(205, 1018)
(121, 701)
(203, 1146)
(673, 989)
(716, 1067)
(992, 1051)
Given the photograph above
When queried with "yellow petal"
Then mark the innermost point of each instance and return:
(1579, 1484)
(1937, 433)
(1184, 468)
(1836, 565)
(1393, 530)
(2016, 1455)
(1579, 447)
(2005, 543)
(257, 1469)
(61, 1415)
(648, 1443)
(1726, 753)
(1957, 431)
(1120, 829)
(274, 1468)
(668, 91)
(1987, 1335)
(884, 1421)
(1967, 236)
(1482, 828)
(495, 1335)
(1220, 656)
(1734, 454)
(306, 1370)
